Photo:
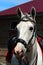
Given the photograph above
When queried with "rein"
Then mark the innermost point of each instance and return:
(34, 62)
(26, 61)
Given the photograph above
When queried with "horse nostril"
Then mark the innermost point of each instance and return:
(31, 28)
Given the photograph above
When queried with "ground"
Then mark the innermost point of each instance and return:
(2, 56)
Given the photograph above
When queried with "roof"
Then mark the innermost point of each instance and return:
(38, 4)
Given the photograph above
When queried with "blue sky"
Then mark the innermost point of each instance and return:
(5, 4)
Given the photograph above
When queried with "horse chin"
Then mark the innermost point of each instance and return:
(20, 56)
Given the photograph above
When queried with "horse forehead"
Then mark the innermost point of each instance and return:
(28, 23)
(24, 25)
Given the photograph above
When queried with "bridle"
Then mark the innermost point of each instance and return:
(29, 45)
(23, 41)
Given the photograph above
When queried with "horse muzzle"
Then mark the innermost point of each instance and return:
(19, 54)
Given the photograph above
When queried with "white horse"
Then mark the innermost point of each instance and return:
(27, 50)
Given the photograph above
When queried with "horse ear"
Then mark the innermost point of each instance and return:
(20, 13)
(33, 12)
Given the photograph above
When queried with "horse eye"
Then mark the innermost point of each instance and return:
(31, 28)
